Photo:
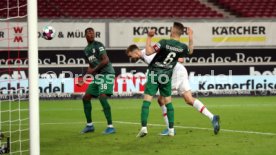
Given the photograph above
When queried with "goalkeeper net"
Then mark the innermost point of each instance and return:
(15, 121)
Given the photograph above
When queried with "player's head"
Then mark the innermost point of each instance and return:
(133, 52)
(177, 29)
(89, 34)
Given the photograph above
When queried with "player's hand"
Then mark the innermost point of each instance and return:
(91, 71)
(190, 31)
(151, 32)
(80, 82)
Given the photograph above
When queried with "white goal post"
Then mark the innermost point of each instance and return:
(33, 78)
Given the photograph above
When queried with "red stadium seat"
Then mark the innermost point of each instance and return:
(250, 8)
(120, 8)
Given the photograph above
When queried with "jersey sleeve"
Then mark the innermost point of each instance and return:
(185, 52)
(101, 49)
(143, 53)
(147, 58)
(158, 46)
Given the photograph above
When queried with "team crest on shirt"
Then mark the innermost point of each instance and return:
(101, 48)
(92, 58)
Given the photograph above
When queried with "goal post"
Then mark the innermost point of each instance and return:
(33, 77)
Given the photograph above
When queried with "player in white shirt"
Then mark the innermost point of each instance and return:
(180, 83)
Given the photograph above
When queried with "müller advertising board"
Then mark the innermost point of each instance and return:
(121, 34)
(68, 34)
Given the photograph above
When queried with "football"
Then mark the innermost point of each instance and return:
(48, 32)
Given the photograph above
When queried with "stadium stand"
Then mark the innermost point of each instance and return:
(249, 8)
(115, 9)
(141, 8)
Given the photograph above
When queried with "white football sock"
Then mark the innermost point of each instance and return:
(89, 124)
(145, 129)
(110, 126)
(164, 112)
(202, 109)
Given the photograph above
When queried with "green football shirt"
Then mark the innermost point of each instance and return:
(168, 52)
(93, 52)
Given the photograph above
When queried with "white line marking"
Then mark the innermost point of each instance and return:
(177, 105)
(160, 125)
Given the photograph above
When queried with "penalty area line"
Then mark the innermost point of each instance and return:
(161, 125)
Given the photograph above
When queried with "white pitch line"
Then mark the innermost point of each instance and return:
(177, 106)
(199, 128)
(160, 125)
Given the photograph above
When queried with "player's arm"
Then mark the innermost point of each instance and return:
(104, 60)
(149, 49)
(191, 41)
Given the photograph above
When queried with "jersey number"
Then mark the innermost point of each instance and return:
(104, 86)
(169, 58)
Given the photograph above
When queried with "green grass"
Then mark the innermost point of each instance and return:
(62, 121)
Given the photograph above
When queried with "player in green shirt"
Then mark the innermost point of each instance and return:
(160, 71)
(102, 83)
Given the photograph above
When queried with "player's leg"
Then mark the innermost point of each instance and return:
(161, 102)
(87, 106)
(107, 112)
(185, 90)
(151, 88)
(145, 109)
(197, 104)
(106, 90)
(144, 115)
(165, 89)
(170, 114)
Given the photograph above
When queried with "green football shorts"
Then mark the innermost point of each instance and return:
(158, 82)
(101, 84)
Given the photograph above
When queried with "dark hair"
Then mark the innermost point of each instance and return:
(131, 48)
(179, 27)
(87, 29)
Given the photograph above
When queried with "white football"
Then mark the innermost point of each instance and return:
(48, 32)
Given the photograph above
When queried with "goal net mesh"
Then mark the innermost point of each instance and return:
(14, 112)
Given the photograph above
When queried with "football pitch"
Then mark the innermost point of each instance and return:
(248, 127)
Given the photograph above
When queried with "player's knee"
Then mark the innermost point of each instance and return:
(160, 101)
(104, 102)
(86, 97)
(167, 99)
(102, 96)
(147, 97)
(190, 100)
